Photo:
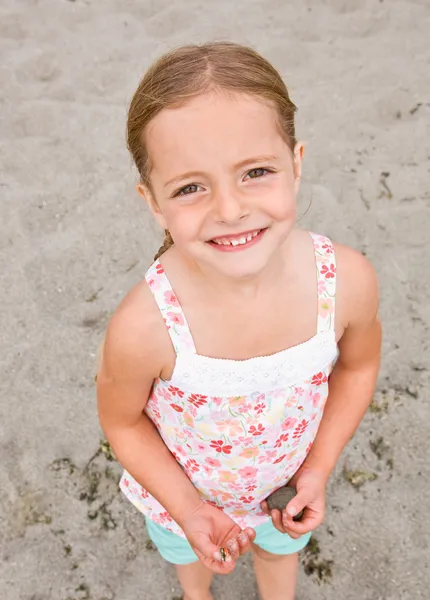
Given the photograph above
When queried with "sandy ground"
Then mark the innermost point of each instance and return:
(74, 237)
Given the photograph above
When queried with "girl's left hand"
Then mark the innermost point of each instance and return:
(310, 486)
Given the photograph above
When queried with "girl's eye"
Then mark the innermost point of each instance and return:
(256, 173)
(192, 188)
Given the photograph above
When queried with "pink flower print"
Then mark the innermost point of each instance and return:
(299, 391)
(259, 408)
(156, 414)
(243, 441)
(188, 420)
(247, 499)
(176, 391)
(179, 450)
(235, 486)
(191, 466)
(237, 400)
(213, 462)
(226, 496)
(288, 423)
(154, 282)
(328, 248)
(256, 430)
(163, 393)
(197, 399)
(126, 482)
(316, 399)
(217, 401)
(207, 470)
(300, 429)
(328, 271)
(269, 455)
(321, 287)
(245, 408)
(251, 488)
(248, 472)
(280, 459)
(201, 447)
(144, 494)
(176, 318)
(159, 269)
(232, 427)
(319, 379)
(249, 452)
(165, 518)
(218, 445)
(177, 408)
(325, 307)
(170, 298)
(227, 476)
(283, 438)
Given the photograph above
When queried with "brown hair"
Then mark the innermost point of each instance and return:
(192, 70)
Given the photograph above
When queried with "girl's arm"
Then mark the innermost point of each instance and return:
(351, 388)
(137, 351)
(135, 348)
(354, 376)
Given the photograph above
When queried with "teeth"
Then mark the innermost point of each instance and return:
(240, 241)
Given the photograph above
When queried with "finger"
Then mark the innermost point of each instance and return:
(245, 538)
(265, 507)
(296, 529)
(277, 520)
(204, 548)
(251, 533)
(297, 504)
(233, 549)
(220, 568)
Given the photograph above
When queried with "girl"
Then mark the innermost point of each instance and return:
(248, 355)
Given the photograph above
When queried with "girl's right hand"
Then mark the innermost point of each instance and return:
(208, 529)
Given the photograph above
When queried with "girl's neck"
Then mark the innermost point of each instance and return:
(244, 288)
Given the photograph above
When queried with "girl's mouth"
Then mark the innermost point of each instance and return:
(235, 243)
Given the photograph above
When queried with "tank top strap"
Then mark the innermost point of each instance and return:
(170, 309)
(326, 279)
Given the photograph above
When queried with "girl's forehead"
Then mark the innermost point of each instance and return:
(213, 124)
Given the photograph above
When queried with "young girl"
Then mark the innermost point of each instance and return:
(246, 358)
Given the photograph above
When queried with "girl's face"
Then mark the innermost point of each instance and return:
(223, 181)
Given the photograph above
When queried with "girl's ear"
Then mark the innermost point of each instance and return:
(147, 195)
(299, 151)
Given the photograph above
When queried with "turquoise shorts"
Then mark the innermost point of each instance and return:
(177, 550)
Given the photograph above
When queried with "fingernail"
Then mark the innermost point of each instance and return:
(243, 537)
(292, 511)
(217, 556)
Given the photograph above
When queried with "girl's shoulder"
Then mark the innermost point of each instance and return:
(357, 290)
(136, 330)
(356, 281)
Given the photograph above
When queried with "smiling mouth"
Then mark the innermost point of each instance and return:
(239, 241)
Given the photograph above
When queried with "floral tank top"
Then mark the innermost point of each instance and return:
(240, 429)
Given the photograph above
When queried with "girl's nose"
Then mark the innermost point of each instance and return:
(229, 207)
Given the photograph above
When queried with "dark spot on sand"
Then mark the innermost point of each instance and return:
(379, 447)
(358, 478)
(313, 564)
(415, 108)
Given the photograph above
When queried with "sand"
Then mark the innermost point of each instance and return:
(74, 237)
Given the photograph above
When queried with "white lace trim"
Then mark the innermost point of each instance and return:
(226, 377)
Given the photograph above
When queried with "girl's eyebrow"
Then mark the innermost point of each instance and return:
(178, 178)
(254, 160)
(239, 165)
